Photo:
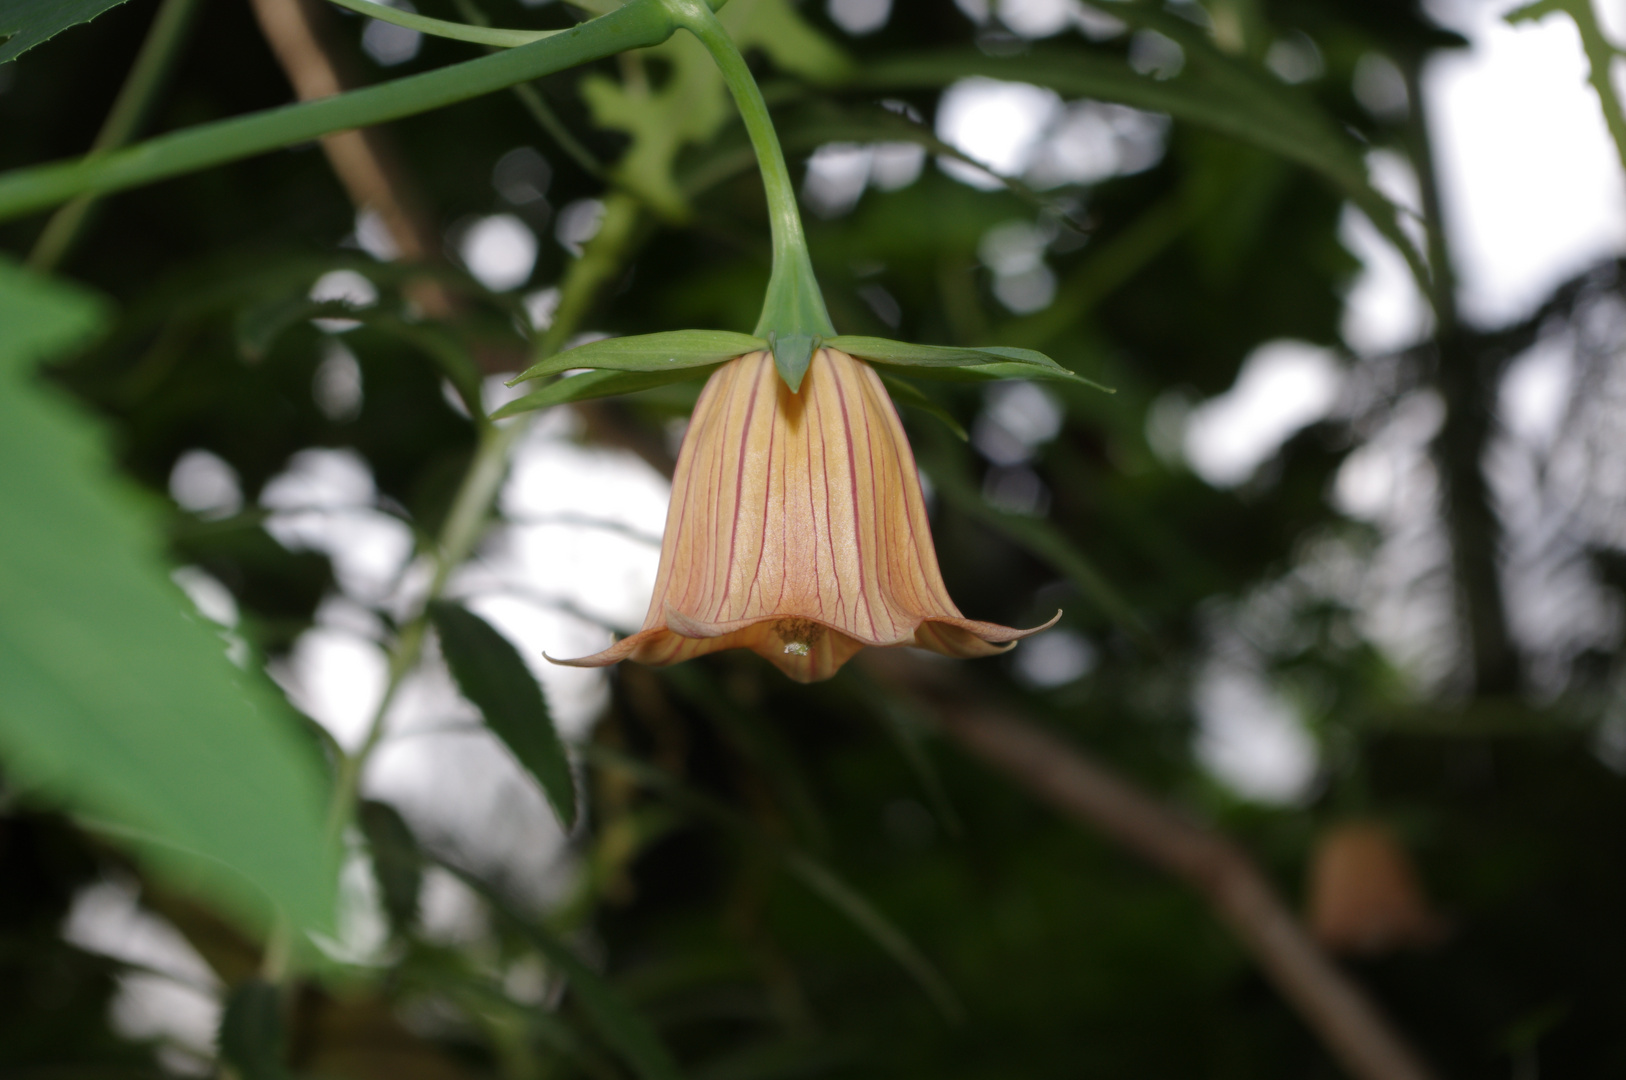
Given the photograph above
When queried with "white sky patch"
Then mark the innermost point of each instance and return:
(1039, 18)
(178, 999)
(324, 501)
(1054, 658)
(500, 251)
(206, 484)
(836, 176)
(337, 679)
(998, 124)
(1535, 392)
(344, 287)
(1282, 387)
(1249, 738)
(859, 17)
(1383, 309)
(389, 44)
(1530, 180)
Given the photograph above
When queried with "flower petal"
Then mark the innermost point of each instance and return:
(968, 638)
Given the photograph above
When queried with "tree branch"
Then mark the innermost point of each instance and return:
(1066, 778)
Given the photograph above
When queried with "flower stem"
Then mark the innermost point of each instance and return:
(478, 35)
(793, 307)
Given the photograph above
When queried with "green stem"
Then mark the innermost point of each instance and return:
(147, 76)
(463, 528)
(532, 100)
(471, 508)
(639, 24)
(793, 306)
(479, 35)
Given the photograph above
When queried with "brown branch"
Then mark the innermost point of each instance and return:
(1059, 774)
(364, 160)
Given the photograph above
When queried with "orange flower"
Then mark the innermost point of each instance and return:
(797, 530)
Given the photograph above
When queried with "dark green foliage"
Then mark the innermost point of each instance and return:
(492, 674)
(397, 862)
(251, 1033)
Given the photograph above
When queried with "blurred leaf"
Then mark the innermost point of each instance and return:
(1214, 90)
(670, 351)
(903, 724)
(620, 1025)
(757, 739)
(687, 108)
(815, 875)
(596, 384)
(397, 863)
(117, 700)
(1040, 537)
(26, 23)
(251, 1036)
(691, 104)
(778, 29)
(492, 674)
(906, 393)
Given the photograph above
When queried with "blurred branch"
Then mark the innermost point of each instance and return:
(363, 160)
(147, 76)
(1468, 374)
(1066, 778)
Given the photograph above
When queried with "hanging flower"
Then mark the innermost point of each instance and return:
(1364, 894)
(797, 530)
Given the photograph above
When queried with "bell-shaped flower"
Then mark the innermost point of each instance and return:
(797, 529)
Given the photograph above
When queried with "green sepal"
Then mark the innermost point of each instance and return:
(1004, 370)
(673, 350)
(907, 393)
(907, 354)
(959, 364)
(792, 353)
(597, 384)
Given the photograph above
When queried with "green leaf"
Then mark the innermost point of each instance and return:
(27, 23)
(885, 351)
(1004, 370)
(620, 1025)
(674, 350)
(492, 674)
(597, 384)
(251, 1037)
(397, 862)
(117, 701)
(956, 363)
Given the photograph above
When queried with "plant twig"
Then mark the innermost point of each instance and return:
(1057, 773)
(362, 159)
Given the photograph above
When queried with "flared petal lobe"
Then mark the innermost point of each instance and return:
(797, 529)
